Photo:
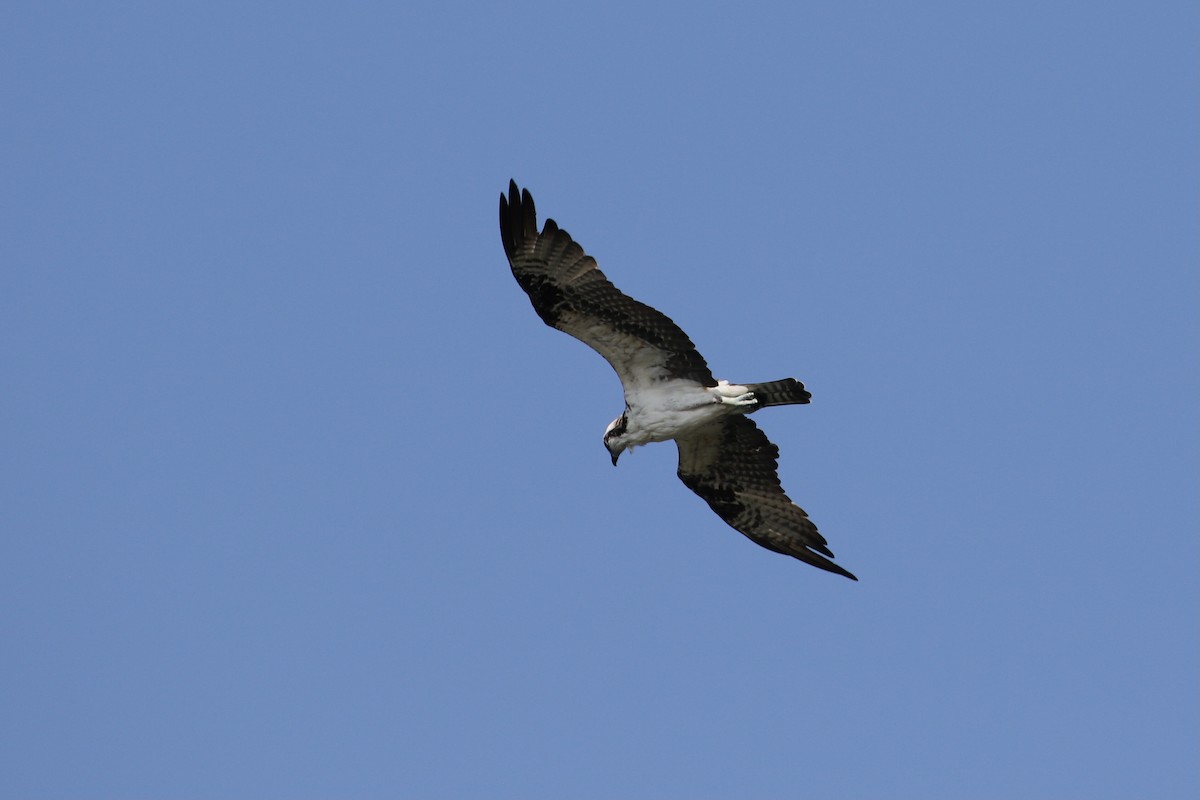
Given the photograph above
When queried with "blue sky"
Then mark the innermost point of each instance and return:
(301, 499)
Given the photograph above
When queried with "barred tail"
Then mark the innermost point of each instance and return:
(779, 393)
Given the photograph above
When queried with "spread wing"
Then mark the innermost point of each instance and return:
(733, 466)
(569, 292)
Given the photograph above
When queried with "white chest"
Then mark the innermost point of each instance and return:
(664, 411)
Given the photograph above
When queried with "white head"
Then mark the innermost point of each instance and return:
(614, 437)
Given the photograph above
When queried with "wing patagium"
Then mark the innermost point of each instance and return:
(733, 466)
(570, 293)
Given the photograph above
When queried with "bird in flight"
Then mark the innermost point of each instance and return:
(669, 391)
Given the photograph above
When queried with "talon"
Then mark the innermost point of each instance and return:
(747, 399)
(733, 395)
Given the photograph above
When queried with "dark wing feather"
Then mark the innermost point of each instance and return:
(734, 467)
(569, 292)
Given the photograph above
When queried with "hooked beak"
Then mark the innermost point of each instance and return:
(615, 454)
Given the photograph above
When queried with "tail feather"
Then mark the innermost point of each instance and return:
(786, 392)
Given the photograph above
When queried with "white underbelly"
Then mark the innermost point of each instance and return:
(656, 415)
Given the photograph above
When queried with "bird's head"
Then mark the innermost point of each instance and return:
(614, 437)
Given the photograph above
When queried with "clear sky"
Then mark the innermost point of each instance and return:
(301, 500)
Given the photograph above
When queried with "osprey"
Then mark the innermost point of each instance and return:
(669, 391)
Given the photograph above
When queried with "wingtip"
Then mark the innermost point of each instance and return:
(821, 562)
(518, 218)
(512, 196)
(839, 570)
(829, 566)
